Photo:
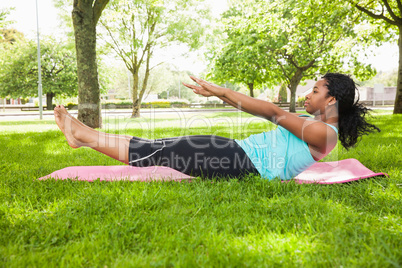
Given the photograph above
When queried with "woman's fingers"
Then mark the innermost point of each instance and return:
(193, 87)
(198, 90)
(190, 86)
(212, 89)
(199, 81)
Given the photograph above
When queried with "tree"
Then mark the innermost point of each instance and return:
(3, 18)
(283, 94)
(85, 16)
(237, 64)
(19, 70)
(10, 36)
(389, 12)
(135, 29)
(388, 79)
(235, 61)
(296, 40)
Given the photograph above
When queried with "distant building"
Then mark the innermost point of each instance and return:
(10, 101)
(366, 93)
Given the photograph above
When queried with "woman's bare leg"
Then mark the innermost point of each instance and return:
(78, 135)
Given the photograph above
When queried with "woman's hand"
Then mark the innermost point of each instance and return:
(198, 90)
(206, 89)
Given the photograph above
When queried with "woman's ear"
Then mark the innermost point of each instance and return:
(332, 101)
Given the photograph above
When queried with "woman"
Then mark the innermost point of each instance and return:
(296, 144)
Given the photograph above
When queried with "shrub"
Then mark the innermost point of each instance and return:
(213, 102)
(156, 104)
(71, 105)
(301, 101)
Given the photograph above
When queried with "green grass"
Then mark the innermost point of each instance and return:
(228, 223)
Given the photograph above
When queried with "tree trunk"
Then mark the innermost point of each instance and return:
(398, 97)
(136, 103)
(251, 88)
(136, 109)
(294, 82)
(84, 21)
(49, 101)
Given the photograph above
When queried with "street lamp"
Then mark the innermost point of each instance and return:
(39, 68)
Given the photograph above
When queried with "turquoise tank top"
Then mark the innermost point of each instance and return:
(278, 153)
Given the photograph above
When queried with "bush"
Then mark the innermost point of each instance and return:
(24, 100)
(283, 94)
(117, 102)
(156, 104)
(213, 102)
(71, 105)
(107, 104)
(301, 101)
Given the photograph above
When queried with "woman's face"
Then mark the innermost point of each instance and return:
(318, 99)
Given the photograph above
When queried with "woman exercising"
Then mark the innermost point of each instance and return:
(297, 142)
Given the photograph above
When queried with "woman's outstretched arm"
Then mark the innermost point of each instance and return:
(318, 135)
(238, 100)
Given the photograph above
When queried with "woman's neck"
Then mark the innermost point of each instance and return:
(330, 115)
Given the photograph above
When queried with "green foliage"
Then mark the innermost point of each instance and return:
(19, 69)
(388, 79)
(227, 223)
(289, 41)
(389, 23)
(381, 14)
(136, 29)
(10, 36)
(236, 60)
(3, 18)
(283, 94)
(108, 104)
(300, 99)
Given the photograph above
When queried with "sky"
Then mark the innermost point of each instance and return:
(24, 15)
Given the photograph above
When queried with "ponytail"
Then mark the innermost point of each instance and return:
(352, 115)
(352, 125)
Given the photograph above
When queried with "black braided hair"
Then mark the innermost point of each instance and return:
(352, 122)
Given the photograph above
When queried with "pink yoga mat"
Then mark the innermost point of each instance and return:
(336, 172)
(322, 173)
(117, 173)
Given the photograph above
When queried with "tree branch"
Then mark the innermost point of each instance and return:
(283, 70)
(120, 52)
(147, 71)
(59, 70)
(391, 12)
(308, 65)
(291, 59)
(153, 67)
(399, 6)
(375, 16)
(97, 8)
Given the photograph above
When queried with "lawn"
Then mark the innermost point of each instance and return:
(228, 223)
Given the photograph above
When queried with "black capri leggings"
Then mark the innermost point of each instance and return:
(204, 155)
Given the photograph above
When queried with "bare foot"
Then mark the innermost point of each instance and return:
(70, 126)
